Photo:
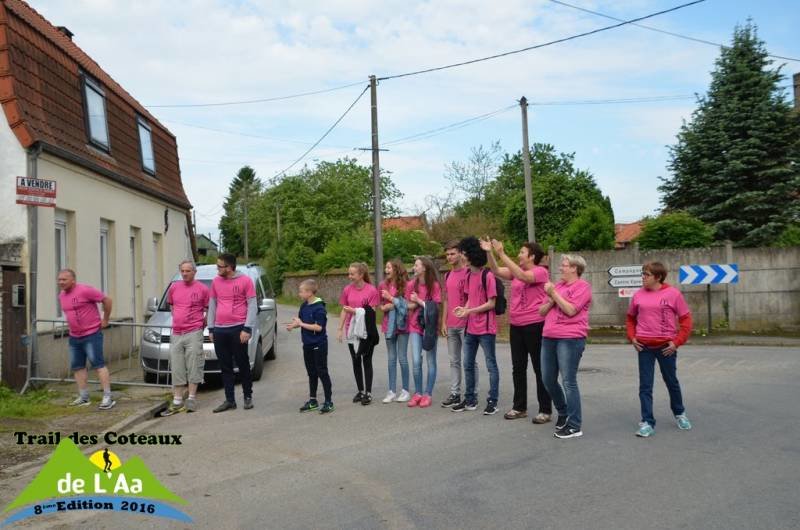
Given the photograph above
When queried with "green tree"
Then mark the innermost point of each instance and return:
(736, 164)
(405, 244)
(790, 237)
(245, 188)
(344, 250)
(675, 230)
(591, 229)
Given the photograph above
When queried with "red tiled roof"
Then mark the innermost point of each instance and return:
(411, 222)
(624, 233)
(41, 95)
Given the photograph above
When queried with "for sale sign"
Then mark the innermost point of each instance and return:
(36, 192)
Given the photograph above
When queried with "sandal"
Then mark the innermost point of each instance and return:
(515, 414)
(541, 418)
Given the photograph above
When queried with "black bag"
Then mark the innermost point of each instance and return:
(500, 303)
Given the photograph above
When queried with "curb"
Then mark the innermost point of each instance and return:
(133, 419)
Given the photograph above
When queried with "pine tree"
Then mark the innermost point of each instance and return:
(735, 164)
(244, 187)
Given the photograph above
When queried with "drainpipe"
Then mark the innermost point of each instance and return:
(33, 260)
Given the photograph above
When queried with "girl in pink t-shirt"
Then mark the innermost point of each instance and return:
(357, 294)
(528, 277)
(423, 289)
(392, 291)
(566, 325)
(658, 322)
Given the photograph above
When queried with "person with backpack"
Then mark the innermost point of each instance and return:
(395, 327)
(528, 278)
(484, 299)
(423, 293)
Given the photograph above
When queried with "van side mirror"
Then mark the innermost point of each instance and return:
(152, 306)
(267, 304)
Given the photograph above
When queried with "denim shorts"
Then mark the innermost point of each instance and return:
(81, 348)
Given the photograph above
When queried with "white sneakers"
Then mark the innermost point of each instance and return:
(403, 397)
(389, 397)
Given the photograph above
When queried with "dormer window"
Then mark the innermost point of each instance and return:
(96, 120)
(146, 146)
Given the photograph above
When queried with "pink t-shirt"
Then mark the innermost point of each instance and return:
(79, 305)
(455, 283)
(231, 295)
(557, 324)
(657, 312)
(526, 298)
(393, 290)
(422, 293)
(480, 323)
(189, 302)
(367, 295)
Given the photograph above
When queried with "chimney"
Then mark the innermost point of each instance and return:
(797, 92)
(65, 30)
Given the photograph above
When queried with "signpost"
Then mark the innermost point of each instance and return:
(628, 278)
(708, 275)
(36, 192)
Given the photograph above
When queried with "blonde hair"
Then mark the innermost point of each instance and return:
(309, 285)
(362, 269)
(576, 261)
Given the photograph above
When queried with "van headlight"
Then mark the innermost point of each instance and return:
(152, 335)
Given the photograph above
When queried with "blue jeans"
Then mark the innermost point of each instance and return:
(563, 355)
(87, 347)
(397, 350)
(487, 343)
(416, 353)
(668, 366)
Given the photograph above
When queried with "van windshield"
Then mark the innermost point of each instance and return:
(164, 306)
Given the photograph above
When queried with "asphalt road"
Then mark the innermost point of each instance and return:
(388, 466)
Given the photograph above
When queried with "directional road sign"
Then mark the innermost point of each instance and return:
(625, 270)
(627, 292)
(709, 274)
(625, 281)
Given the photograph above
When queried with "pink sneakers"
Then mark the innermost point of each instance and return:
(425, 401)
(415, 401)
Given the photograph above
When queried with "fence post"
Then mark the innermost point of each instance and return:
(551, 255)
(730, 289)
(636, 252)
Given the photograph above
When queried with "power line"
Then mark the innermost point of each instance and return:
(261, 100)
(537, 46)
(665, 32)
(353, 104)
(248, 135)
(447, 128)
(647, 99)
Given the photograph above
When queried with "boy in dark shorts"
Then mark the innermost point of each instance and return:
(312, 319)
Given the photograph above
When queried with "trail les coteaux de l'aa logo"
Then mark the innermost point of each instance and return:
(70, 481)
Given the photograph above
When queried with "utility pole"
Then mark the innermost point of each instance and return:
(376, 181)
(278, 220)
(526, 165)
(246, 224)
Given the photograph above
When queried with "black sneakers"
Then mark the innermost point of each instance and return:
(248, 403)
(326, 408)
(309, 405)
(464, 405)
(491, 408)
(366, 399)
(358, 397)
(453, 399)
(561, 422)
(225, 405)
(568, 432)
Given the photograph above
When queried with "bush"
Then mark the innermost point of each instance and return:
(592, 229)
(790, 237)
(300, 258)
(405, 244)
(675, 230)
(344, 250)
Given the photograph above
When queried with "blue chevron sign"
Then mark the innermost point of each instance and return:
(709, 274)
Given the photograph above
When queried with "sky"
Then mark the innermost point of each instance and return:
(213, 51)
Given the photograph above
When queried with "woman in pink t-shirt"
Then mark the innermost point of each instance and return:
(359, 293)
(659, 321)
(566, 326)
(528, 278)
(392, 291)
(422, 324)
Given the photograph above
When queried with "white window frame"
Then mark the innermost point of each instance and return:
(104, 249)
(98, 136)
(60, 232)
(146, 133)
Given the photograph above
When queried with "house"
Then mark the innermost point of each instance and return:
(625, 233)
(411, 222)
(121, 219)
(206, 247)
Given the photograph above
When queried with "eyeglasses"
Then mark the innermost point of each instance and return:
(222, 266)
(647, 274)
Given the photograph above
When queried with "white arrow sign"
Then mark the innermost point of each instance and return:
(625, 281)
(625, 270)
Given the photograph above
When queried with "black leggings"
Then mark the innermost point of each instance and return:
(527, 341)
(364, 357)
(316, 359)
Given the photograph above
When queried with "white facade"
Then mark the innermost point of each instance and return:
(13, 217)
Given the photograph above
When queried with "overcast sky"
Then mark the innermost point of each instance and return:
(205, 51)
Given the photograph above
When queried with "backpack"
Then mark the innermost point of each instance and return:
(500, 303)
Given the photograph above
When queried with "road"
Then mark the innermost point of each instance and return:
(388, 466)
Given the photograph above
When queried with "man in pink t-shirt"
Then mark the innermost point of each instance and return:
(79, 304)
(481, 291)
(188, 299)
(231, 321)
(453, 327)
